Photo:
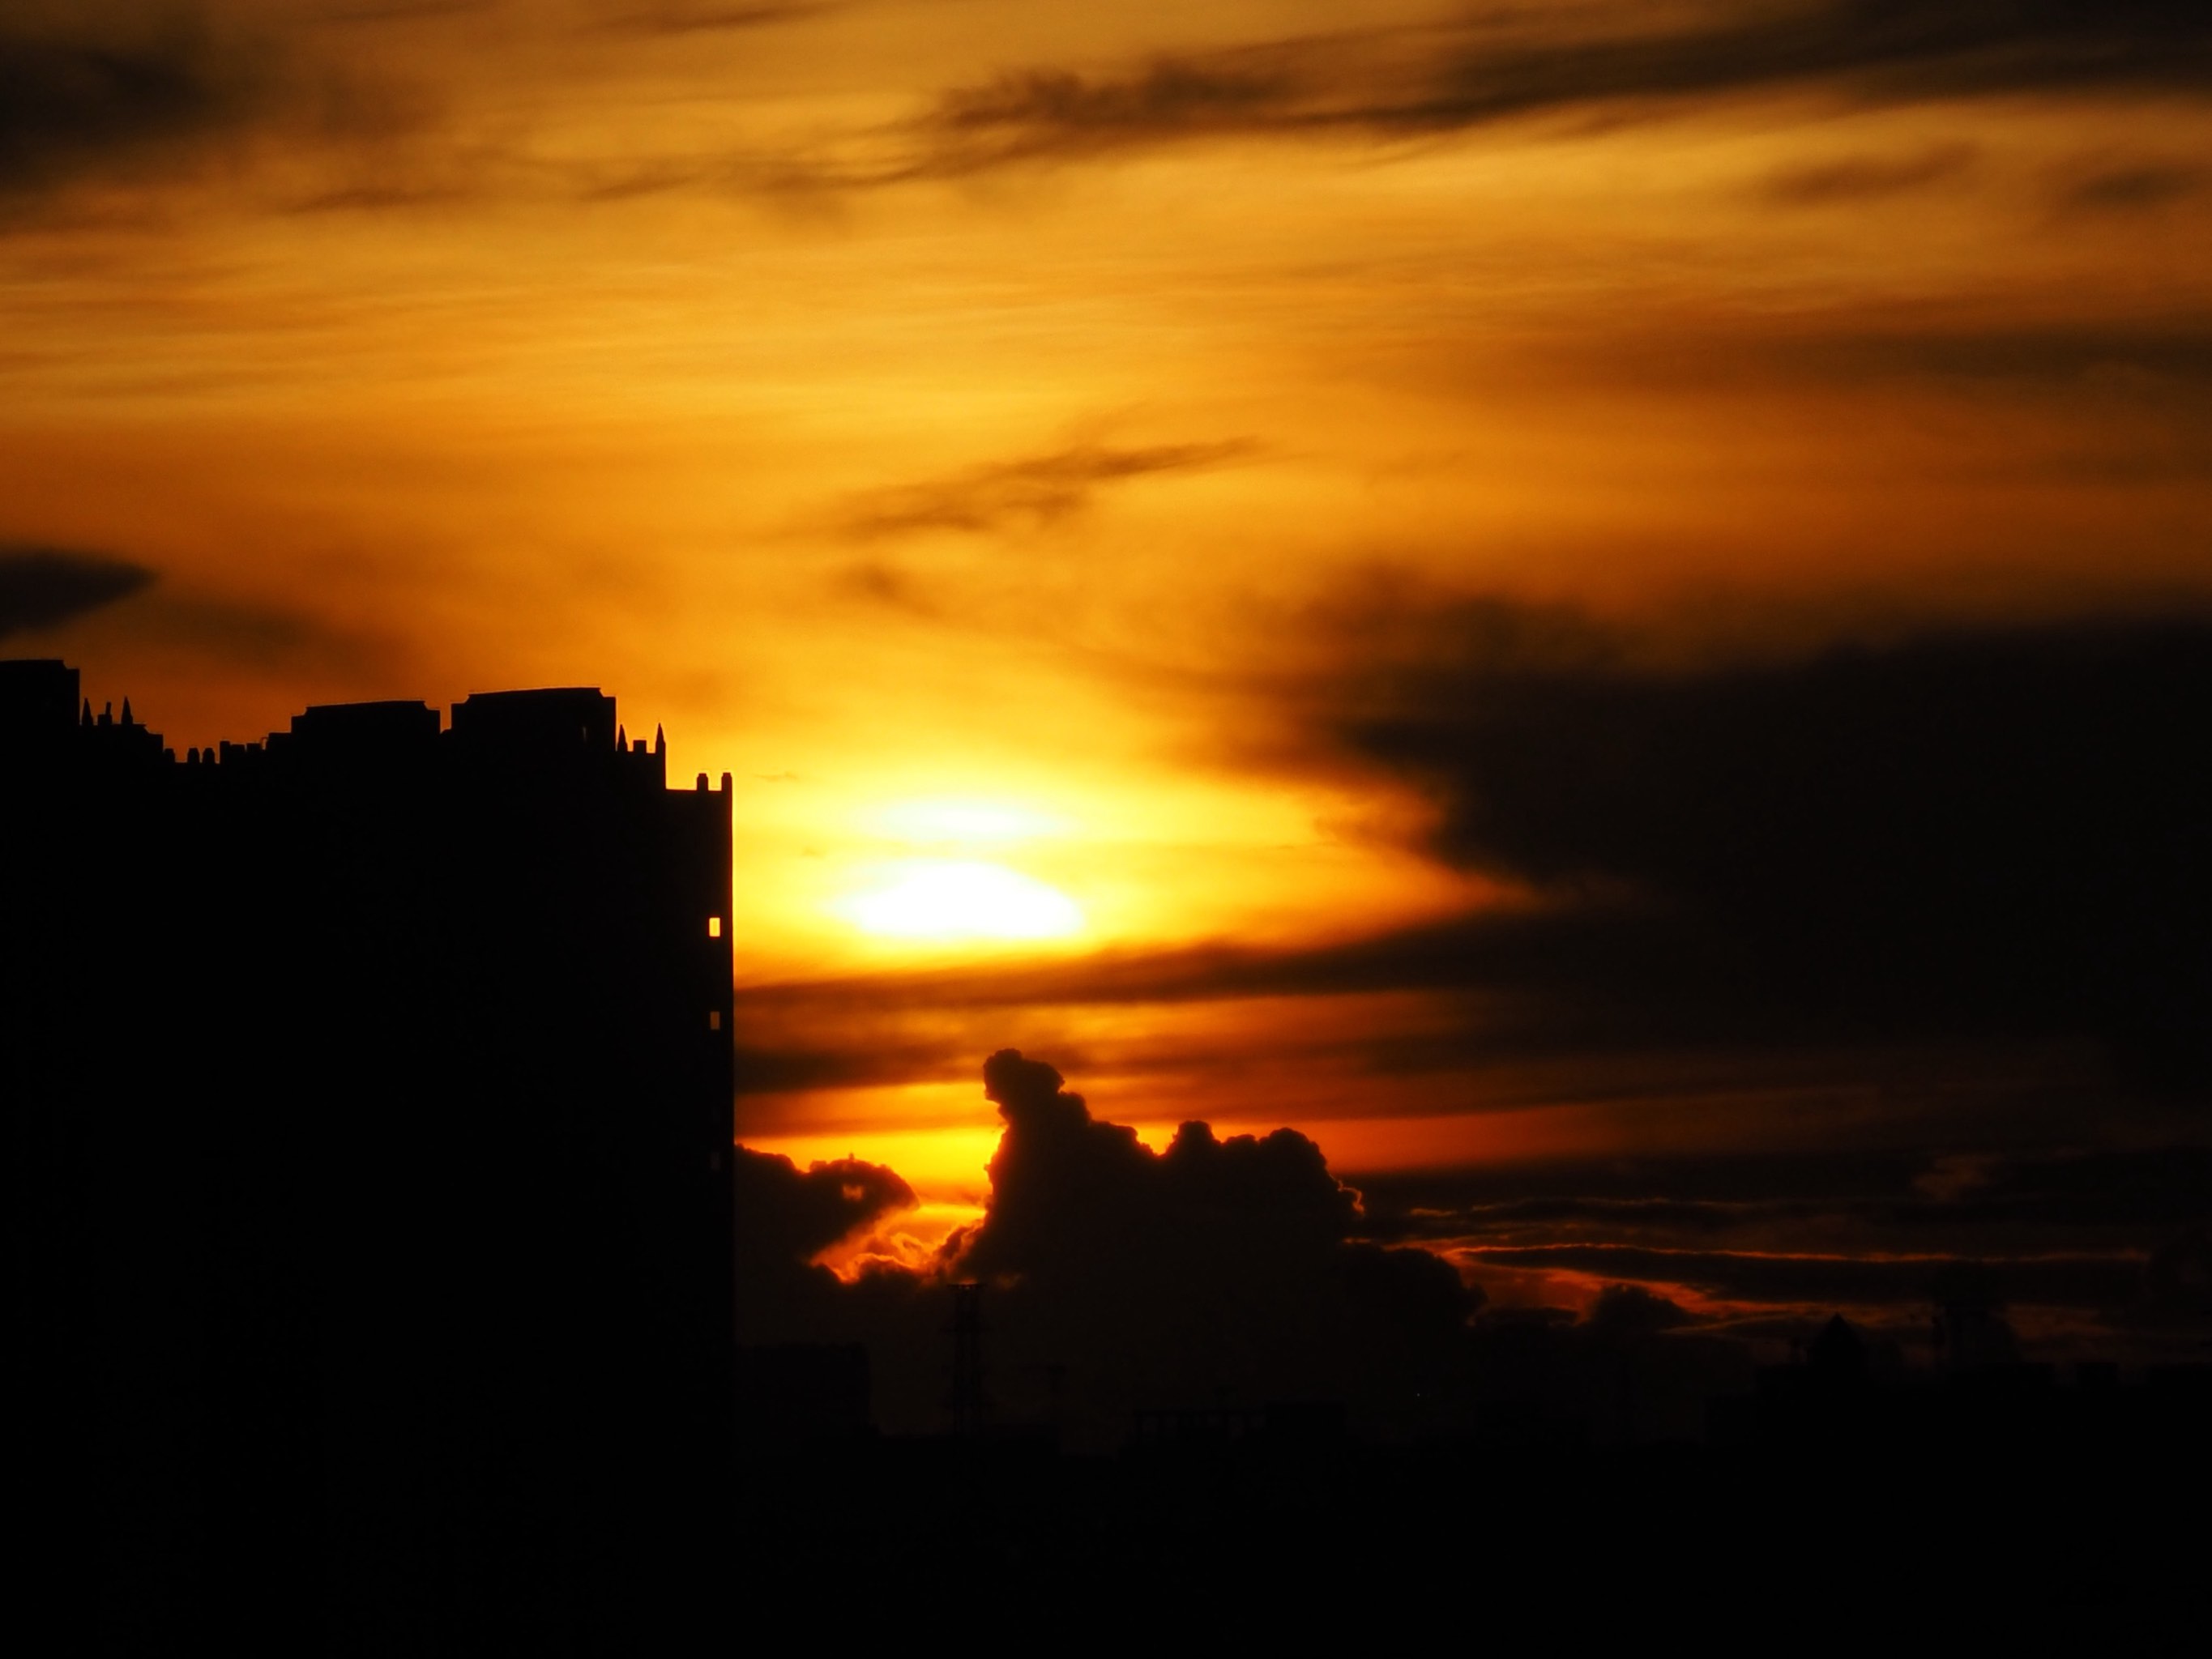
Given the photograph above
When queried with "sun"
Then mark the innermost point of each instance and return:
(961, 898)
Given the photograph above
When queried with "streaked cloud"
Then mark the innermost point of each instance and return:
(681, 17)
(1829, 1280)
(1028, 493)
(1861, 178)
(2136, 187)
(182, 626)
(1407, 82)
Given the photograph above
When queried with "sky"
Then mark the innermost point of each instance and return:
(1596, 606)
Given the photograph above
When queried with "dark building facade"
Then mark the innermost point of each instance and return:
(369, 1090)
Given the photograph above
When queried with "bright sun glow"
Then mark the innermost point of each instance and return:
(939, 821)
(944, 899)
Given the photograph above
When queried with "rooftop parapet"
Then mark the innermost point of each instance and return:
(362, 729)
(556, 720)
(558, 727)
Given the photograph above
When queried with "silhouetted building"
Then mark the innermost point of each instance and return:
(38, 704)
(799, 1397)
(1837, 1355)
(967, 1402)
(1280, 1425)
(369, 1099)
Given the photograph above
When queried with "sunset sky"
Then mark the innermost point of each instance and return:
(1138, 495)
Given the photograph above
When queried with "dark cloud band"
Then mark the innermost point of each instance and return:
(1992, 832)
(44, 586)
(1027, 493)
(2088, 1282)
(107, 93)
(1407, 82)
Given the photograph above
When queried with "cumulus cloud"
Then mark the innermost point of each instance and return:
(785, 1215)
(1240, 1271)
(1118, 1278)
(45, 586)
(1064, 1184)
(1213, 1270)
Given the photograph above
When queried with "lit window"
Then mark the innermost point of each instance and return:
(713, 927)
(715, 1020)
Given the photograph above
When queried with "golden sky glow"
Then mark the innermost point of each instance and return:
(964, 422)
(942, 899)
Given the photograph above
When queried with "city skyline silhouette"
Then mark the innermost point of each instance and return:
(400, 1248)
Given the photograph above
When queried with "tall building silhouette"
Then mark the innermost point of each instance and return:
(368, 1091)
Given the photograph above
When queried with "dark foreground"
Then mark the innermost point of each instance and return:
(2098, 1525)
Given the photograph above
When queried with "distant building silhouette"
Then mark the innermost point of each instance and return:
(1837, 1355)
(1281, 1424)
(967, 1402)
(369, 1090)
(799, 1398)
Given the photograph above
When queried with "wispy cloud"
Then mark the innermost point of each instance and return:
(400, 11)
(136, 97)
(1027, 494)
(1403, 83)
(241, 633)
(2136, 187)
(1862, 178)
(248, 634)
(687, 17)
(2083, 1281)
